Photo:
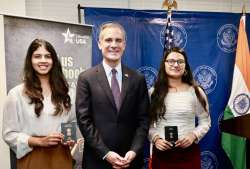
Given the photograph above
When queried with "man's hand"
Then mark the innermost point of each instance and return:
(129, 157)
(115, 160)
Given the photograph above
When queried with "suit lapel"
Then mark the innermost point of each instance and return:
(125, 84)
(101, 76)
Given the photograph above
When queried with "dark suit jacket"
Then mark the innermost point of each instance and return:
(102, 125)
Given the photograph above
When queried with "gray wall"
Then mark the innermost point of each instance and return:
(66, 10)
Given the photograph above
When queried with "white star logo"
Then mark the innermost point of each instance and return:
(68, 37)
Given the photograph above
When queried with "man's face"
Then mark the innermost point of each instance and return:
(112, 44)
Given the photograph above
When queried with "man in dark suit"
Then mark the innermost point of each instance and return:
(112, 107)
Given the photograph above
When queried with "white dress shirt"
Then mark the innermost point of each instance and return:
(20, 121)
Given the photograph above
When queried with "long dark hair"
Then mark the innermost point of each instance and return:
(59, 86)
(157, 107)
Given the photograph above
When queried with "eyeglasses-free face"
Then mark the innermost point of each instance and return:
(42, 61)
(112, 44)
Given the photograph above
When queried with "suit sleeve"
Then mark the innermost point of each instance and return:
(84, 117)
(142, 117)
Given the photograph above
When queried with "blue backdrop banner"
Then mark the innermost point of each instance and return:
(209, 40)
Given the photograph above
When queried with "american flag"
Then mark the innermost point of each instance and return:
(169, 35)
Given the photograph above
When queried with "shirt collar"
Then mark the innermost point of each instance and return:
(108, 69)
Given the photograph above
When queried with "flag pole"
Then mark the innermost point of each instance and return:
(168, 32)
(247, 140)
(244, 9)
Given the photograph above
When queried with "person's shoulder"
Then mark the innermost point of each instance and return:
(201, 90)
(17, 89)
(89, 72)
(132, 72)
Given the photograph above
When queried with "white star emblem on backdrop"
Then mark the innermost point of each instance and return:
(68, 37)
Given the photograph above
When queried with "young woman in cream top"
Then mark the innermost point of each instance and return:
(175, 101)
(34, 110)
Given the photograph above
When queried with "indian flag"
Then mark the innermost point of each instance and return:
(238, 104)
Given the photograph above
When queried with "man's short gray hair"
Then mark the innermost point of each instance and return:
(111, 25)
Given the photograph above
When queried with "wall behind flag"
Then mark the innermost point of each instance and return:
(210, 40)
(66, 10)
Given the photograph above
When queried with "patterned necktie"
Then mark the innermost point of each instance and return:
(115, 89)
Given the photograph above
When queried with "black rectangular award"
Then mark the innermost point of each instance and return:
(69, 131)
(171, 134)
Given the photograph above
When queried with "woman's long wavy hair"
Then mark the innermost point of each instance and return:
(157, 107)
(58, 84)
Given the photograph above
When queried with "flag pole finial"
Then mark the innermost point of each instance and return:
(244, 9)
(169, 4)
